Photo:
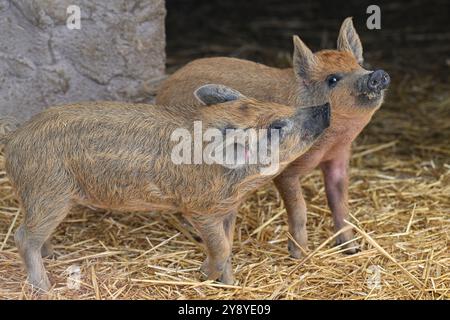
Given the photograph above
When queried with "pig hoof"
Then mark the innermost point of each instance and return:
(227, 278)
(204, 267)
(352, 249)
(294, 251)
(222, 274)
(207, 274)
(349, 248)
(42, 285)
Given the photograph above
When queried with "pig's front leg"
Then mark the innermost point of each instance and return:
(335, 173)
(228, 224)
(288, 185)
(218, 248)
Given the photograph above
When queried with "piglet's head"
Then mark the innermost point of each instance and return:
(338, 76)
(258, 127)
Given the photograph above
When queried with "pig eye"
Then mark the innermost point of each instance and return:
(278, 125)
(227, 127)
(282, 126)
(332, 80)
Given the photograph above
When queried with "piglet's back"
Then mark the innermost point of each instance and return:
(80, 125)
(250, 78)
(84, 138)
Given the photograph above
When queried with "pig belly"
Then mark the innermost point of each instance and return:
(131, 197)
(130, 205)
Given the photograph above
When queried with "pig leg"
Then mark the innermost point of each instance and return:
(228, 224)
(335, 174)
(288, 185)
(41, 219)
(218, 249)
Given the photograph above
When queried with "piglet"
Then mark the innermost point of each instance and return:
(133, 157)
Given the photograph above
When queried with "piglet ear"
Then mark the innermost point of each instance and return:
(348, 40)
(210, 94)
(303, 59)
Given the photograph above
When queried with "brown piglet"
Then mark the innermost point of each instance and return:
(121, 156)
(336, 76)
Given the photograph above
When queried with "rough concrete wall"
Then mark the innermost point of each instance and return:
(116, 55)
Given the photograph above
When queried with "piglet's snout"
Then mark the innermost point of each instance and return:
(378, 80)
(317, 119)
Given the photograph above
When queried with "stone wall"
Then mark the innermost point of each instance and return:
(118, 53)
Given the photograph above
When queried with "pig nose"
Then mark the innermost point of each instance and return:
(378, 80)
(317, 119)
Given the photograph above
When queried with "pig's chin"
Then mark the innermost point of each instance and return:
(371, 99)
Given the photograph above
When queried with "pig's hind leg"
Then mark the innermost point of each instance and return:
(218, 248)
(42, 214)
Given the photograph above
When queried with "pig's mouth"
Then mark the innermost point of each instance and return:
(371, 97)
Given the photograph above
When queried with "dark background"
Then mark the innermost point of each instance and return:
(414, 35)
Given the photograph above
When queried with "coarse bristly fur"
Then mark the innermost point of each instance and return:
(118, 156)
(307, 83)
